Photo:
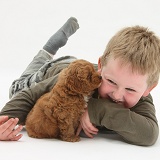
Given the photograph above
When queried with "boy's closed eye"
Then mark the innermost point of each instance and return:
(113, 83)
(131, 90)
(110, 81)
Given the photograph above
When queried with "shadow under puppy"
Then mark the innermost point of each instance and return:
(56, 114)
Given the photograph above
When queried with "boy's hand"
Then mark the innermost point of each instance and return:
(87, 126)
(8, 132)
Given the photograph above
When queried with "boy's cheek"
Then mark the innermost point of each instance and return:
(103, 90)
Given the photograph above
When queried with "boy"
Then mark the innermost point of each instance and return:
(130, 70)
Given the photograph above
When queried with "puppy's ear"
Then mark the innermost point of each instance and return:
(72, 83)
(80, 74)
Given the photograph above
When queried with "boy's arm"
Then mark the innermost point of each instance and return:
(137, 125)
(20, 105)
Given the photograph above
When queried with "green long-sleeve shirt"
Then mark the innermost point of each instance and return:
(137, 125)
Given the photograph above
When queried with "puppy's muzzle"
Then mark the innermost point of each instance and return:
(100, 77)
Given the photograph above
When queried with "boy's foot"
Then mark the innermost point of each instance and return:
(59, 39)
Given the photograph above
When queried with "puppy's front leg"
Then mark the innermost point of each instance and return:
(67, 130)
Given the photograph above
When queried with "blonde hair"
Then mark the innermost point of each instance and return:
(138, 47)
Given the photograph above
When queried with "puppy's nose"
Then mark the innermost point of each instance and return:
(100, 77)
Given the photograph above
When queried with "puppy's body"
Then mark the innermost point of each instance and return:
(57, 113)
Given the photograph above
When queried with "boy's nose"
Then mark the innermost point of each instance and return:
(118, 95)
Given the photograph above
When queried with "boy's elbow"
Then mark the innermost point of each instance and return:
(149, 139)
(152, 139)
(152, 136)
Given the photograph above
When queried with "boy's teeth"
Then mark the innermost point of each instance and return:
(115, 100)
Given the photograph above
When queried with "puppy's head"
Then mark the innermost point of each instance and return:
(81, 77)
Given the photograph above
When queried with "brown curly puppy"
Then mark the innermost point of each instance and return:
(57, 113)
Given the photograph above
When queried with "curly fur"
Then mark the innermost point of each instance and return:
(56, 114)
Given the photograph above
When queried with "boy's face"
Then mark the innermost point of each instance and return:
(121, 85)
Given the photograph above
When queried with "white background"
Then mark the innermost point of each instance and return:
(26, 25)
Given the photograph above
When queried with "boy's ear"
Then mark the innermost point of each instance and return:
(149, 89)
(99, 64)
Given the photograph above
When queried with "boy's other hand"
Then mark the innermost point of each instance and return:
(8, 129)
(86, 125)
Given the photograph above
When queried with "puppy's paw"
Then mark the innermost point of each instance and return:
(71, 139)
(35, 135)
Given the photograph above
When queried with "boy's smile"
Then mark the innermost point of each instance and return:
(121, 84)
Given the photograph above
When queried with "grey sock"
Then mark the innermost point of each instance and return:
(59, 39)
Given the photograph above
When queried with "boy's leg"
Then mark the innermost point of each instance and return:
(59, 39)
(38, 61)
(56, 41)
